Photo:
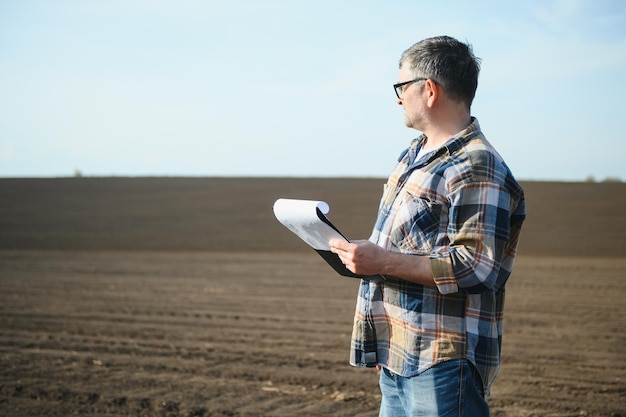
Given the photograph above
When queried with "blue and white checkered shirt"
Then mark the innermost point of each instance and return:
(461, 206)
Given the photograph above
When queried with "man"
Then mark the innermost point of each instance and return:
(445, 239)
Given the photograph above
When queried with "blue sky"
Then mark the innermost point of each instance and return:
(293, 88)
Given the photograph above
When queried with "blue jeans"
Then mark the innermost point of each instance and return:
(449, 389)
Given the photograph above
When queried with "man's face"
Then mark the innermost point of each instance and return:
(411, 99)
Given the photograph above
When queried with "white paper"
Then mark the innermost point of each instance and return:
(302, 218)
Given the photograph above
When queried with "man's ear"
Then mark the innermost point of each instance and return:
(432, 91)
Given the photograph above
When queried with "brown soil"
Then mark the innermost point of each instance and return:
(185, 297)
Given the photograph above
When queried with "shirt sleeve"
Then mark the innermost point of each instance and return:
(478, 232)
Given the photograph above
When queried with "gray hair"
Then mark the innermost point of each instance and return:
(448, 62)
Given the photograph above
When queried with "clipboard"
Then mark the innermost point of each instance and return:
(307, 220)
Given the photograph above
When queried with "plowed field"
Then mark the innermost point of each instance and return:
(185, 297)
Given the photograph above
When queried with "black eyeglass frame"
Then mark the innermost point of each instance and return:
(398, 87)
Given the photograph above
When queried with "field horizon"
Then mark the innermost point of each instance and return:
(200, 213)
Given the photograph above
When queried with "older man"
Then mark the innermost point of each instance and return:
(445, 239)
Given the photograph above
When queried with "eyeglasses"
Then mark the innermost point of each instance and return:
(398, 87)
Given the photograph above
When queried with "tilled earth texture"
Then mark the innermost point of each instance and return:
(185, 297)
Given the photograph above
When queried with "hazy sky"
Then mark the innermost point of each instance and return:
(294, 88)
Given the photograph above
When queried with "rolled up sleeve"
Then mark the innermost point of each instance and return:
(478, 232)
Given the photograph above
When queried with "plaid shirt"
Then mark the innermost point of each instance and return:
(461, 206)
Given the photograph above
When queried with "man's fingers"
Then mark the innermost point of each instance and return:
(338, 245)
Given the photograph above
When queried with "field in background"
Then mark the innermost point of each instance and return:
(185, 297)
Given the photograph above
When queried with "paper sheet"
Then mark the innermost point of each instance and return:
(306, 218)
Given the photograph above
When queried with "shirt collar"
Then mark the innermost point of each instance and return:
(458, 140)
(451, 145)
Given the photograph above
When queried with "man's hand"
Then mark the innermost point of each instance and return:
(365, 258)
(360, 256)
